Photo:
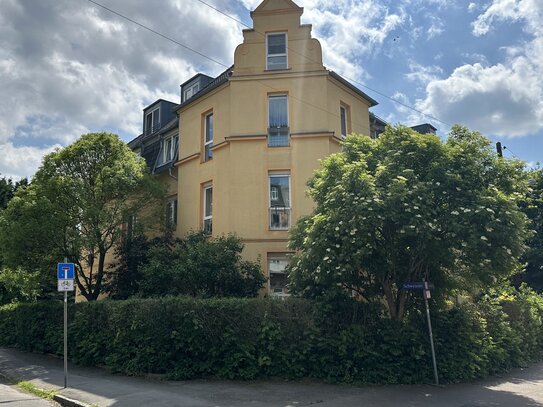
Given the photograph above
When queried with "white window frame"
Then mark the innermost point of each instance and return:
(207, 218)
(152, 114)
(277, 55)
(287, 127)
(288, 209)
(208, 143)
(171, 212)
(191, 91)
(344, 119)
(270, 258)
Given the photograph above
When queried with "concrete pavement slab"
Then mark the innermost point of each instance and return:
(14, 397)
(522, 388)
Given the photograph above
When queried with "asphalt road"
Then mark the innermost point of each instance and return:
(518, 388)
(11, 396)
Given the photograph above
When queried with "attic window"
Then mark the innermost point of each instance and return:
(191, 90)
(152, 121)
(276, 51)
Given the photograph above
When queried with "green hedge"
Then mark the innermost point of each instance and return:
(187, 338)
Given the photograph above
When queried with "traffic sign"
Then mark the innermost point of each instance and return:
(65, 285)
(65, 271)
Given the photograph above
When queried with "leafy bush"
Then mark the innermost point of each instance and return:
(242, 338)
(200, 266)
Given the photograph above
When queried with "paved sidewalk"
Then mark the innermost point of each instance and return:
(521, 388)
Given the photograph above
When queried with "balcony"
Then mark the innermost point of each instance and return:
(152, 129)
(279, 218)
(278, 136)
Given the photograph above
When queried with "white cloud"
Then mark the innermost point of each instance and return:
(20, 162)
(504, 99)
(437, 27)
(423, 74)
(71, 68)
(347, 30)
(350, 30)
(511, 10)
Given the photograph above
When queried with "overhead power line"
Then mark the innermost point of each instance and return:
(262, 83)
(346, 77)
(210, 58)
(157, 33)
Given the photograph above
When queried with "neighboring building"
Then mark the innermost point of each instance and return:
(378, 125)
(251, 138)
(159, 145)
(425, 128)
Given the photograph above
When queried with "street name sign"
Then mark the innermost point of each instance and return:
(417, 285)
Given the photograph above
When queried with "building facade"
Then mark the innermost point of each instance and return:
(250, 139)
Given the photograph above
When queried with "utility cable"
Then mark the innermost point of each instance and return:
(346, 77)
(157, 33)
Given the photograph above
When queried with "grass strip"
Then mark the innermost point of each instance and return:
(36, 391)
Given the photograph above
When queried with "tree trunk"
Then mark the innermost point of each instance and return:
(396, 301)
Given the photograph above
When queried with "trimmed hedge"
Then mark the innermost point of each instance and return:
(188, 338)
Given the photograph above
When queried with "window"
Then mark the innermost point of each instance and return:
(152, 121)
(343, 115)
(277, 264)
(208, 137)
(208, 209)
(279, 201)
(168, 149)
(191, 90)
(276, 51)
(131, 226)
(171, 212)
(278, 130)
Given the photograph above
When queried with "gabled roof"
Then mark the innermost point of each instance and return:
(345, 82)
(275, 5)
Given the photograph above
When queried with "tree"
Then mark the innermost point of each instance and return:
(125, 275)
(75, 206)
(19, 285)
(8, 189)
(199, 266)
(533, 207)
(409, 207)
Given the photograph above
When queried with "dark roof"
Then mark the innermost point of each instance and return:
(135, 143)
(377, 120)
(215, 83)
(353, 88)
(194, 77)
(424, 128)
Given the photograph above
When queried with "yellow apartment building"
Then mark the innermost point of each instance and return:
(250, 139)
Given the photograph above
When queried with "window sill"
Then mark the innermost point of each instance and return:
(278, 70)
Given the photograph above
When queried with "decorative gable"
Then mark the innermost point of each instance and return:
(293, 49)
(274, 6)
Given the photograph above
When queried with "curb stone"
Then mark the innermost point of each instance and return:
(67, 402)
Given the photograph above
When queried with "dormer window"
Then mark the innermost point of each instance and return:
(167, 150)
(152, 121)
(276, 51)
(191, 90)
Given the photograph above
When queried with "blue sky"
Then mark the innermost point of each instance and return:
(68, 67)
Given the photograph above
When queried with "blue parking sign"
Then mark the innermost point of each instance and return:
(65, 271)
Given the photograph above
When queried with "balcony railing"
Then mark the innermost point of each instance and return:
(278, 136)
(152, 129)
(279, 218)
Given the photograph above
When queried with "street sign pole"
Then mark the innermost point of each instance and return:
(65, 338)
(65, 335)
(425, 286)
(426, 295)
(65, 275)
